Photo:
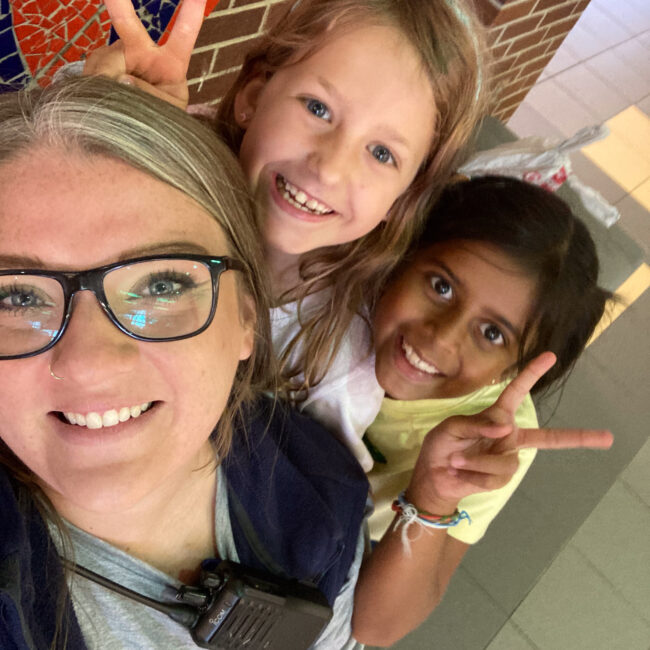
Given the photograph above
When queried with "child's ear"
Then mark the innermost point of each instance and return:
(246, 101)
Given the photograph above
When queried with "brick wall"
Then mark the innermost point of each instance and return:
(227, 33)
(524, 35)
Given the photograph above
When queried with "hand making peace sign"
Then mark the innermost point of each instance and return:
(477, 453)
(160, 70)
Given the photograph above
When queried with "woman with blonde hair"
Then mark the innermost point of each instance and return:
(135, 440)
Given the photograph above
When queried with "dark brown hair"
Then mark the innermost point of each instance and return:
(538, 231)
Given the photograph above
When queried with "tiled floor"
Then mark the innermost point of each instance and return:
(566, 566)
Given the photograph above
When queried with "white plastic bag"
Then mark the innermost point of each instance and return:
(545, 162)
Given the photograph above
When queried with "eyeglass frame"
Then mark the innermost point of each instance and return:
(73, 282)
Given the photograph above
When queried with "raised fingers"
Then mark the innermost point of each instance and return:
(127, 24)
(186, 28)
(514, 394)
(565, 438)
(496, 464)
(463, 427)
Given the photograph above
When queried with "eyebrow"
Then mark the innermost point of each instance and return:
(514, 330)
(161, 248)
(506, 323)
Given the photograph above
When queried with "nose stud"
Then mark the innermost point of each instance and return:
(52, 373)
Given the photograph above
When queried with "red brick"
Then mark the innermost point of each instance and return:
(505, 65)
(532, 53)
(564, 26)
(554, 43)
(520, 27)
(537, 65)
(277, 12)
(555, 15)
(241, 3)
(517, 98)
(219, 27)
(581, 6)
(200, 64)
(549, 4)
(529, 80)
(513, 11)
(517, 85)
(499, 51)
(504, 78)
(526, 41)
(232, 55)
(212, 89)
(221, 5)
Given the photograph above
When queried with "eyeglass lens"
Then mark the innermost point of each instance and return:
(154, 299)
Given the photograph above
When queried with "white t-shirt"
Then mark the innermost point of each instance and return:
(348, 398)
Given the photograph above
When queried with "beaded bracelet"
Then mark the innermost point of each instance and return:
(409, 514)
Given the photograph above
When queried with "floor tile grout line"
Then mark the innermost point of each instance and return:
(593, 56)
(586, 107)
(614, 588)
(497, 605)
(523, 633)
(613, 17)
(633, 493)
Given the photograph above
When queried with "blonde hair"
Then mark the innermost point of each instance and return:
(97, 116)
(449, 42)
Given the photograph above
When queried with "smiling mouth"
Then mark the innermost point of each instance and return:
(299, 198)
(417, 362)
(110, 418)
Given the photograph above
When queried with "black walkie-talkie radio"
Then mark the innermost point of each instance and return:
(237, 607)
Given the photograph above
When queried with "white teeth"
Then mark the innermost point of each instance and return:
(299, 198)
(94, 420)
(110, 418)
(417, 362)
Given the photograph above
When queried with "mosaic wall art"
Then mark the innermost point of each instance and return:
(38, 36)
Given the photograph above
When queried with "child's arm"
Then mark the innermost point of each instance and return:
(461, 456)
(135, 58)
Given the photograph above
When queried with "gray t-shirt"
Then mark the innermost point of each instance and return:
(110, 621)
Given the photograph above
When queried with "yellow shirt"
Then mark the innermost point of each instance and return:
(398, 433)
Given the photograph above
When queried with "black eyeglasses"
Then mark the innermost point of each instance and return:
(156, 298)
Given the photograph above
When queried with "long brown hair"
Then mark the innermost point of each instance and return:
(449, 42)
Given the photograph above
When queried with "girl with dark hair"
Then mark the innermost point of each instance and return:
(498, 297)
